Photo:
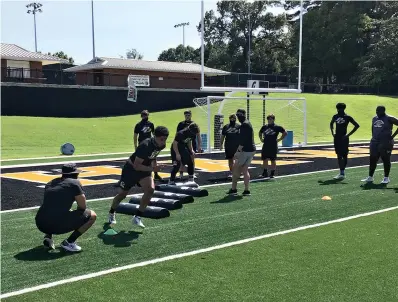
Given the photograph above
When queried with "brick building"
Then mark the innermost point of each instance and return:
(102, 71)
(21, 65)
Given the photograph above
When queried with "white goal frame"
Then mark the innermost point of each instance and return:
(206, 107)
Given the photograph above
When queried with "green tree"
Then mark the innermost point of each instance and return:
(237, 23)
(381, 63)
(132, 54)
(180, 54)
(62, 55)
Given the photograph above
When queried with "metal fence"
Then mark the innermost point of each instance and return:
(58, 76)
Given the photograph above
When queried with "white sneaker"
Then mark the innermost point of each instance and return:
(385, 180)
(137, 221)
(49, 243)
(368, 179)
(71, 247)
(112, 218)
(338, 177)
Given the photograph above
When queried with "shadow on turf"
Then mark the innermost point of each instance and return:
(40, 253)
(373, 186)
(331, 182)
(121, 239)
(228, 198)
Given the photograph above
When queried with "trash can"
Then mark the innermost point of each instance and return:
(288, 140)
(203, 136)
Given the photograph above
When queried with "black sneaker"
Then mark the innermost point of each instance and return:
(49, 243)
(232, 192)
(246, 193)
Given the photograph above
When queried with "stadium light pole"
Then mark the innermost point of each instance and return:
(183, 35)
(92, 26)
(248, 53)
(35, 8)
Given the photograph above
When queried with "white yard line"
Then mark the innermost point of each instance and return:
(209, 186)
(186, 254)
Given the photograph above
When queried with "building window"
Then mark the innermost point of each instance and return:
(18, 69)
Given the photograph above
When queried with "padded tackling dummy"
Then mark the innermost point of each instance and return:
(176, 196)
(169, 204)
(150, 212)
(190, 184)
(195, 192)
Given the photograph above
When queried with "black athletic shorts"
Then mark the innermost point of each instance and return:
(48, 223)
(131, 177)
(341, 145)
(378, 149)
(230, 151)
(269, 152)
(186, 158)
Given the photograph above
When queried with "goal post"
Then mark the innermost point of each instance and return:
(214, 111)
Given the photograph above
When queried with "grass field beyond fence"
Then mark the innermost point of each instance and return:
(38, 136)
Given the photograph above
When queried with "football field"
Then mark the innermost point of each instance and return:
(283, 243)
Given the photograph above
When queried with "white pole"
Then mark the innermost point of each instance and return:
(202, 50)
(305, 123)
(300, 44)
(208, 125)
(92, 26)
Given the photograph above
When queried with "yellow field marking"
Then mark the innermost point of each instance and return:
(44, 177)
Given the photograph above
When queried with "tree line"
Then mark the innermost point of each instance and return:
(346, 42)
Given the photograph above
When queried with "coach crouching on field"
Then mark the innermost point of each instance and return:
(55, 216)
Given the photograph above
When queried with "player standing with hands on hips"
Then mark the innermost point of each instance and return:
(341, 138)
(230, 133)
(269, 137)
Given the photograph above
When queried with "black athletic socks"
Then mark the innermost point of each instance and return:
(139, 213)
(272, 173)
(265, 173)
(112, 211)
(73, 237)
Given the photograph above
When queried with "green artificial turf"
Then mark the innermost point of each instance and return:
(24, 137)
(284, 204)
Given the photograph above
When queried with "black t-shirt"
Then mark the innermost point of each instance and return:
(148, 151)
(231, 133)
(270, 133)
(342, 122)
(246, 137)
(59, 195)
(144, 129)
(183, 124)
(183, 137)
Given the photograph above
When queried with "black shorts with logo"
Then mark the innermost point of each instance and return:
(230, 151)
(49, 223)
(131, 177)
(378, 149)
(341, 145)
(269, 151)
(185, 154)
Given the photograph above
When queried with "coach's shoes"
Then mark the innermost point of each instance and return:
(246, 193)
(137, 221)
(112, 218)
(368, 179)
(386, 180)
(339, 177)
(232, 192)
(70, 246)
(49, 243)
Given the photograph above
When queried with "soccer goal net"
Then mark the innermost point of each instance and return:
(213, 112)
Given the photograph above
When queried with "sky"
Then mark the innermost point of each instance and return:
(147, 26)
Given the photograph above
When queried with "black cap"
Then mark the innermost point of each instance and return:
(69, 169)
